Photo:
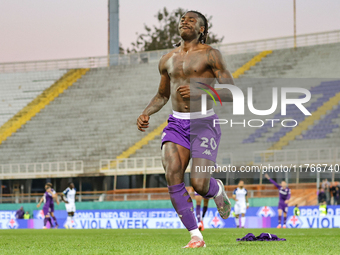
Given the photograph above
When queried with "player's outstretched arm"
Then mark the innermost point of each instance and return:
(272, 181)
(223, 76)
(159, 100)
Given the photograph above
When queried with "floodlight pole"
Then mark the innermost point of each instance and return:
(294, 23)
(113, 32)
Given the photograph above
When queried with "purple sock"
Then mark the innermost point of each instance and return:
(279, 220)
(198, 213)
(50, 221)
(55, 220)
(182, 203)
(213, 188)
(45, 221)
(205, 209)
(284, 220)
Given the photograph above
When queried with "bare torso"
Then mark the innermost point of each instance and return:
(180, 70)
(183, 66)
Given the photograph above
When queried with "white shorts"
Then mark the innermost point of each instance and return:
(70, 207)
(239, 209)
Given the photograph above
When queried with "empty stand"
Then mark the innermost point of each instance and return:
(96, 117)
(93, 119)
(19, 89)
(40, 102)
(278, 69)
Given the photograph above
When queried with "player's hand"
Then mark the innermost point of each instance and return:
(286, 201)
(189, 92)
(38, 205)
(236, 199)
(143, 122)
(66, 202)
(184, 91)
(58, 202)
(267, 176)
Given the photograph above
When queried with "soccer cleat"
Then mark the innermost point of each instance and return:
(195, 242)
(278, 226)
(44, 227)
(56, 226)
(66, 226)
(284, 226)
(201, 226)
(222, 202)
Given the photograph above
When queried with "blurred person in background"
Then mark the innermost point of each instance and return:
(296, 210)
(27, 216)
(20, 213)
(199, 199)
(334, 193)
(324, 183)
(69, 197)
(327, 193)
(241, 204)
(48, 209)
(337, 194)
(323, 208)
(321, 195)
(284, 196)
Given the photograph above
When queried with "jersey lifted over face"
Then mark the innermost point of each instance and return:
(70, 195)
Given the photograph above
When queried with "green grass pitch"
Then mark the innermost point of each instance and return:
(152, 241)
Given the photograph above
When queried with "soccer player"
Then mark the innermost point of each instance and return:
(191, 59)
(284, 196)
(241, 205)
(48, 208)
(198, 199)
(69, 197)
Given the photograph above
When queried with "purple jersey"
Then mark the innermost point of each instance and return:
(48, 199)
(284, 194)
(20, 214)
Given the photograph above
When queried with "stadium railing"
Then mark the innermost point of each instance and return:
(298, 157)
(44, 169)
(152, 56)
(140, 165)
(128, 166)
(306, 163)
(254, 191)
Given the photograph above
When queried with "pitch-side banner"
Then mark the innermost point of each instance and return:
(256, 217)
